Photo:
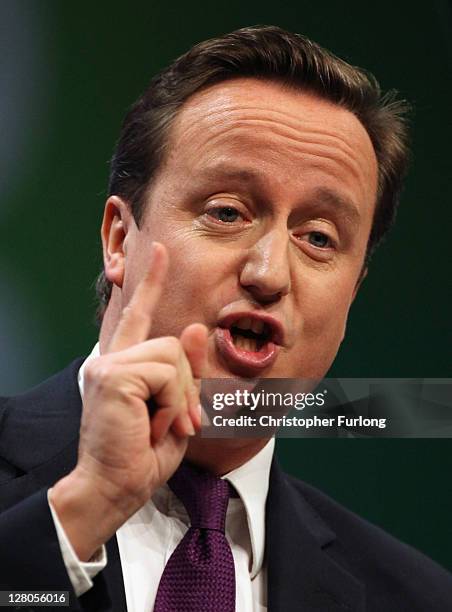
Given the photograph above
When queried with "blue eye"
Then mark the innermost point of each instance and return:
(226, 214)
(319, 239)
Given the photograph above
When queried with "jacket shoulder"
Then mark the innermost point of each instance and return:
(394, 572)
(40, 422)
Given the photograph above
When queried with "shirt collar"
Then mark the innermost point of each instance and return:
(250, 480)
(81, 383)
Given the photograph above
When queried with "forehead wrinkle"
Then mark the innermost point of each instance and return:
(298, 123)
(305, 147)
(327, 147)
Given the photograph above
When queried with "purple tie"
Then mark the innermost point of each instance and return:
(199, 575)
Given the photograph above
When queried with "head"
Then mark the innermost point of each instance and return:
(271, 170)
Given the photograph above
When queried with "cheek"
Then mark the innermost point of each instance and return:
(200, 267)
(323, 311)
(327, 311)
(192, 269)
(197, 285)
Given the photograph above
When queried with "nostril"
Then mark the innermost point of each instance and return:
(262, 297)
(266, 279)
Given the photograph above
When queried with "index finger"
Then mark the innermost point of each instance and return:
(136, 319)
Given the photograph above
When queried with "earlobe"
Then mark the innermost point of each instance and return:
(113, 233)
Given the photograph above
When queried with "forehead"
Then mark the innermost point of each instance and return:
(285, 134)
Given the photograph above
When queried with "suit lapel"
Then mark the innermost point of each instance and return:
(301, 574)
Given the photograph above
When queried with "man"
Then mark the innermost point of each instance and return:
(250, 185)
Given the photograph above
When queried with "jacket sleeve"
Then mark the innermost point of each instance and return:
(30, 556)
(31, 559)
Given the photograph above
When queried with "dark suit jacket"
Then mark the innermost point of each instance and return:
(320, 556)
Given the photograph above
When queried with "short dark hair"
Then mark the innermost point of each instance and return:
(266, 53)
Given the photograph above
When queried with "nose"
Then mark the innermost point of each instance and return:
(266, 273)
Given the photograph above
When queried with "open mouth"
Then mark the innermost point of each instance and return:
(250, 334)
(248, 344)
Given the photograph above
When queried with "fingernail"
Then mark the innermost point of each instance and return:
(189, 426)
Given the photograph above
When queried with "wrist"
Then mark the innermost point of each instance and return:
(88, 518)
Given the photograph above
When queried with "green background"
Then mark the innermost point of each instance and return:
(69, 72)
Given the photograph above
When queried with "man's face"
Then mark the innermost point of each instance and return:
(265, 204)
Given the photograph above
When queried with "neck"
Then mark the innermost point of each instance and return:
(222, 456)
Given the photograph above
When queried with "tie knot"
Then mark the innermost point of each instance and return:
(204, 496)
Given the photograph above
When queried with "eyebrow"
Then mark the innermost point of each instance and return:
(237, 174)
(342, 205)
(322, 197)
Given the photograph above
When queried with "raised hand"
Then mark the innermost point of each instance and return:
(125, 451)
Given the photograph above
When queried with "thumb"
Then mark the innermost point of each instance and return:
(194, 343)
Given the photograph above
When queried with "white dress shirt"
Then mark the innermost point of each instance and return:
(149, 537)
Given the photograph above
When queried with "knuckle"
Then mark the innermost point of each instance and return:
(89, 372)
(141, 318)
(103, 376)
(171, 372)
(98, 371)
(127, 311)
(133, 313)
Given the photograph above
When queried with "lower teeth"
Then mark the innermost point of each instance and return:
(246, 344)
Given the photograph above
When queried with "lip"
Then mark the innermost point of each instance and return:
(277, 330)
(240, 361)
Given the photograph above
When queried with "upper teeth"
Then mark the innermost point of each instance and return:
(247, 323)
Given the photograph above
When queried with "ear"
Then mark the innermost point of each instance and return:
(362, 276)
(115, 225)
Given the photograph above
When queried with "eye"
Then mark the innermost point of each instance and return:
(319, 240)
(225, 214)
